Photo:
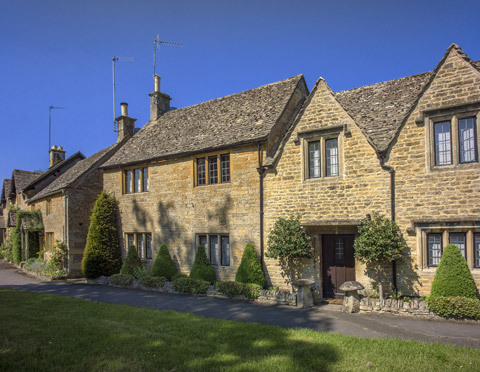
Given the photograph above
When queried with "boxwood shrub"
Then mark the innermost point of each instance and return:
(133, 264)
(190, 285)
(164, 265)
(455, 307)
(125, 280)
(250, 269)
(235, 289)
(202, 269)
(153, 281)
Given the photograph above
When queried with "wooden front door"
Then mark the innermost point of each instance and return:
(338, 263)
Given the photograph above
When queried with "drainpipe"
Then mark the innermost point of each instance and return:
(65, 230)
(392, 209)
(261, 172)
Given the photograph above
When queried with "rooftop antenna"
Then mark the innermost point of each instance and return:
(50, 108)
(156, 43)
(115, 59)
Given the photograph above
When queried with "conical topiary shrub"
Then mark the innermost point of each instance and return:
(164, 265)
(132, 263)
(202, 268)
(250, 269)
(453, 277)
(102, 255)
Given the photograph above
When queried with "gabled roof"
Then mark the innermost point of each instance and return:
(236, 119)
(71, 175)
(56, 169)
(21, 178)
(380, 109)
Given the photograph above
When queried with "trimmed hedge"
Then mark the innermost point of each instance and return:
(133, 264)
(190, 285)
(236, 289)
(164, 265)
(455, 307)
(125, 280)
(202, 268)
(250, 269)
(153, 281)
(102, 254)
(453, 277)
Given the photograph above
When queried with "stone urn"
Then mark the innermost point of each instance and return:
(304, 294)
(351, 301)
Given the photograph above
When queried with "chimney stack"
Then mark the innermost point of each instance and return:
(57, 155)
(159, 102)
(126, 124)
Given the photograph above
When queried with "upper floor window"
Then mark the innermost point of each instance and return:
(135, 180)
(454, 140)
(330, 166)
(207, 169)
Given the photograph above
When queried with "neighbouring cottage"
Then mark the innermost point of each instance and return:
(406, 148)
(190, 176)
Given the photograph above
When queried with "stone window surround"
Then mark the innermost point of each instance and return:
(422, 230)
(452, 114)
(220, 179)
(49, 240)
(219, 253)
(321, 134)
(135, 239)
(124, 179)
(48, 207)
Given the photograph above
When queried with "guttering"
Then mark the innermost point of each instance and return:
(261, 172)
(392, 210)
(65, 230)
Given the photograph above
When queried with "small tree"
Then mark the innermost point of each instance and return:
(132, 264)
(202, 268)
(102, 254)
(164, 265)
(250, 269)
(453, 277)
(380, 242)
(289, 243)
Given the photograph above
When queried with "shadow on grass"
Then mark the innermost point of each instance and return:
(59, 333)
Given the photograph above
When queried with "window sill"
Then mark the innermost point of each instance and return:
(455, 167)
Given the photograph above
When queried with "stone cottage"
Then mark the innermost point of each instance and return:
(190, 176)
(406, 148)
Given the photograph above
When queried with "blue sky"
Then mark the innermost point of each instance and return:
(59, 52)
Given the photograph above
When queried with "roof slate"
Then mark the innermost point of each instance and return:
(22, 178)
(379, 109)
(74, 173)
(227, 121)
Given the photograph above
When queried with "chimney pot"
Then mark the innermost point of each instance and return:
(124, 108)
(157, 83)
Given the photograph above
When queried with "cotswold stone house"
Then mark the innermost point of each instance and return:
(66, 204)
(190, 176)
(406, 148)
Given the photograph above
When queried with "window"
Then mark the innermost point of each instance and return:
(314, 159)
(49, 240)
(48, 207)
(435, 249)
(477, 250)
(136, 180)
(142, 242)
(210, 173)
(467, 140)
(454, 139)
(225, 167)
(331, 157)
(217, 247)
(212, 170)
(443, 143)
(459, 240)
(339, 251)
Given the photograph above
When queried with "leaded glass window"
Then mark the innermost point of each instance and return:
(467, 140)
(331, 157)
(201, 176)
(212, 170)
(314, 168)
(459, 240)
(434, 242)
(443, 143)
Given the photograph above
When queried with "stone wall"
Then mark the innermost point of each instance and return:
(174, 210)
(53, 222)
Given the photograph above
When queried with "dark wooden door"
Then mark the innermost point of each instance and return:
(338, 263)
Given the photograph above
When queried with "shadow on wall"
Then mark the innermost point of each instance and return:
(220, 216)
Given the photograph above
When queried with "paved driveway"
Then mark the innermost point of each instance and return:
(322, 319)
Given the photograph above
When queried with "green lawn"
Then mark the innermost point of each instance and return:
(44, 332)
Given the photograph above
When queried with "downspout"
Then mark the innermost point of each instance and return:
(261, 173)
(392, 209)
(65, 230)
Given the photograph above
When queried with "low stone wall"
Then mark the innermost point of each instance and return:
(414, 306)
(266, 296)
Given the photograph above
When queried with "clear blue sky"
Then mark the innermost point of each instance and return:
(59, 52)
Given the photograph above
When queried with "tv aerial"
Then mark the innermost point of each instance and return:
(50, 108)
(156, 43)
(114, 60)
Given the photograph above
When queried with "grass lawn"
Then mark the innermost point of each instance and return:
(53, 333)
